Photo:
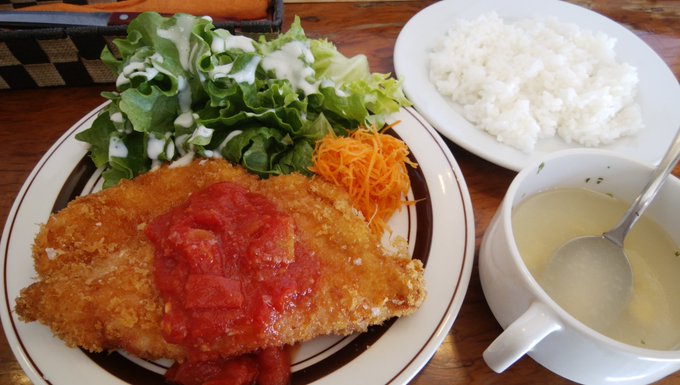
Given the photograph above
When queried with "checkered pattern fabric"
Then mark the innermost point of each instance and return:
(49, 57)
(30, 60)
(53, 57)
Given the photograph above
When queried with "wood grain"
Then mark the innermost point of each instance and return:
(31, 121)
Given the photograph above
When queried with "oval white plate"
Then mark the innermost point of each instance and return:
(658, 94)
(444, 238)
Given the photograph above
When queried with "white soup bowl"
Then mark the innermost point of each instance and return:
(534, 324)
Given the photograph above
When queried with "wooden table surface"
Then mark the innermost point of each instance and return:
(31, 120)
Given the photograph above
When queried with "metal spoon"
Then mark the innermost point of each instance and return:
(590, 277)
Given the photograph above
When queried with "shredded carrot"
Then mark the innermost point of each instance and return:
(371, 165)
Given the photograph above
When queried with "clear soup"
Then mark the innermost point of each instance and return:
(544, 221)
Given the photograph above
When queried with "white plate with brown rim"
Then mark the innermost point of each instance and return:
(440, 230)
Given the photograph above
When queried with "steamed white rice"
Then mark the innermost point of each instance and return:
(533, 78)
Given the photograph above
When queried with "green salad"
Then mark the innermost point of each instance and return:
(186, 89)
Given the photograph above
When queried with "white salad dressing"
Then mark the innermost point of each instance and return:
(122, 80)
(183, 161)
(243, 43)
(185, 119)
(155, 147)
(201, 135)
(220, 71)
(133, 67)
(287, 64)
(226, 42)
(155, 164)
(247, 74)
(180, 141)
(169, 150)
(257, 114)
(149, 73)
(226, 140)
(144, 69)
(179, 35)
(117, 117)
(157, 57)
(117, 148)
(183, 94)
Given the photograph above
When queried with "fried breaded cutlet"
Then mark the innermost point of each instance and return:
(95, 286)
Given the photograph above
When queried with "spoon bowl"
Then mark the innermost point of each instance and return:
(599, 278)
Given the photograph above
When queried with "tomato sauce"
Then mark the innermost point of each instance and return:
(227, 262)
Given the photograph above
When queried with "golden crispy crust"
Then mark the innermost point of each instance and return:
(96, 289)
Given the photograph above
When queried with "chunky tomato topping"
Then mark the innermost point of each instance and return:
(228, 261)
(267, 367)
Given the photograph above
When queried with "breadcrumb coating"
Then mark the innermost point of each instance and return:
(95, 286)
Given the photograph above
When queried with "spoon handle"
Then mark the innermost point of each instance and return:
(670, 159)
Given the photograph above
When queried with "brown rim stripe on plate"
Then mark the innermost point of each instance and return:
(126, 370)
(74, 184)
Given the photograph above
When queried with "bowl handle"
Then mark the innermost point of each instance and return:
(520, 337)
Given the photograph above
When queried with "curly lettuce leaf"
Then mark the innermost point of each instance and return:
(190, 88)
(99, 136)
(334, 66)
(129, 166)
